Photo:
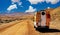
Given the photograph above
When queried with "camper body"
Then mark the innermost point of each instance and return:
(42, 19)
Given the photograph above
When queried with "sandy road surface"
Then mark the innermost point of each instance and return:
(24, 27)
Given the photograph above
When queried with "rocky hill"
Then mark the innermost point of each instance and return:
(55, 18)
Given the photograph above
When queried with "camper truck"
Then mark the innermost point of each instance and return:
(42, 19)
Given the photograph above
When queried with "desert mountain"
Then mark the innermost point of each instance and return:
(55, 10)
(16, 16)
(55, 14)
(55, 18)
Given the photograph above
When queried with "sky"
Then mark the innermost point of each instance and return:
(9, 6)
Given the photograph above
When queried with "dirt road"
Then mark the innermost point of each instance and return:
(24, 27)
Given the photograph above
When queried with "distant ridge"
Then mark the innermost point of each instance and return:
(16, 14)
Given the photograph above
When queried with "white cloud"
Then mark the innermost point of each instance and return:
(47, 1)
(52, 1)
(16, 1)
(31, 9)
(36, 1)
(11, 7)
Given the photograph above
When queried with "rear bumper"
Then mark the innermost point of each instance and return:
(42, 28)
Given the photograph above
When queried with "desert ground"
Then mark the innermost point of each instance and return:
(24, 25)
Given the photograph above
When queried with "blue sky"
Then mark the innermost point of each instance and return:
(27, 5)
